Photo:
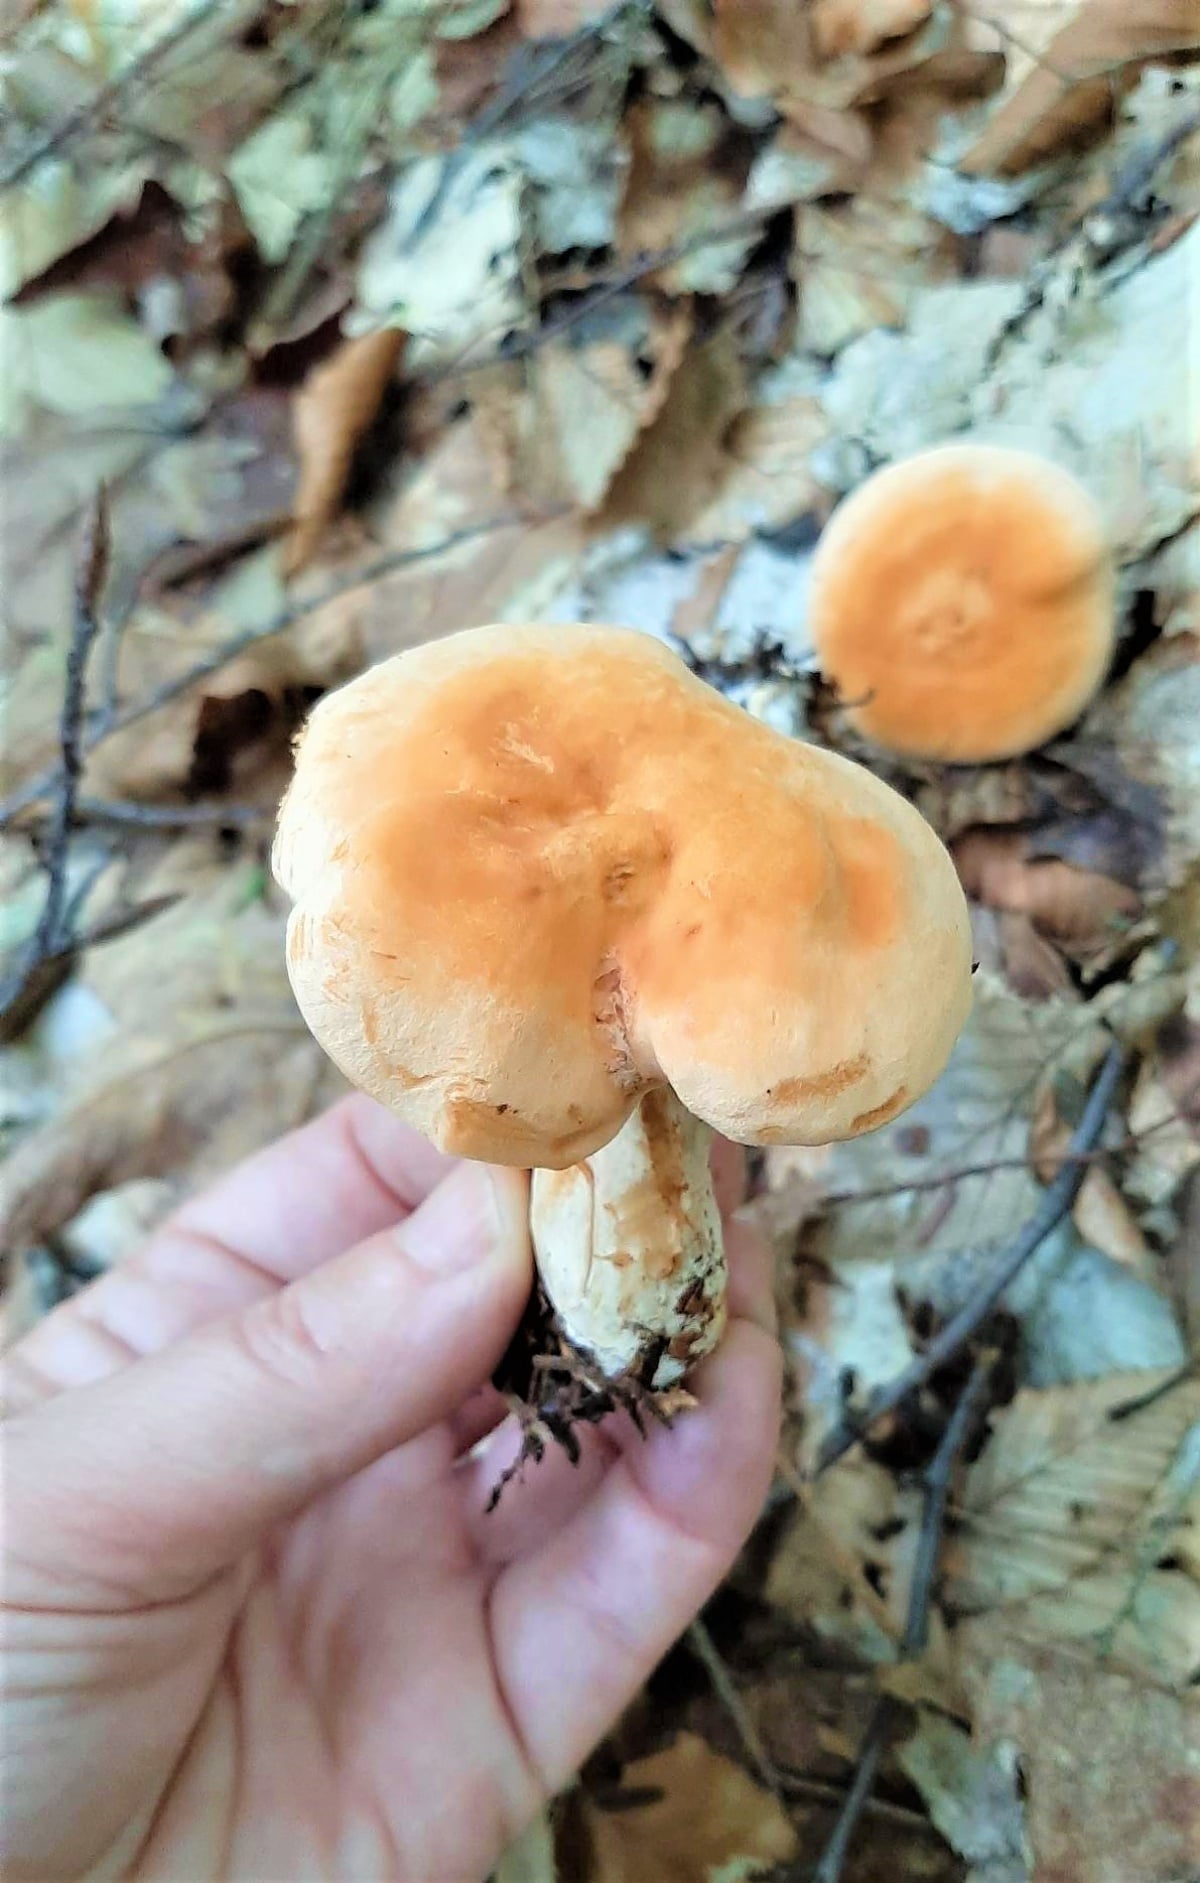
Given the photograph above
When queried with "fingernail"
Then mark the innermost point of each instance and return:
(458, 1225)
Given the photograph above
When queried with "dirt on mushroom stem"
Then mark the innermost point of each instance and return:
(629, 1245)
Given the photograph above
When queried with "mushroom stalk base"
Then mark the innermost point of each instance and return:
(629, 1246)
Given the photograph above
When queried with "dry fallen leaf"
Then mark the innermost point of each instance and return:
(1069, 1519)
(709, 1822)
(564, 420)
(1077, 907)
(1153, 715)
(774, 49)
(1111, 1767)
(687, 169)
(507, 565)
(330, 413)
(976, 1118)
(556, 19)
(856, 265)
(1076, 71)
(678, 464)
(204, 1064)
(841, 1566)
(864, 25)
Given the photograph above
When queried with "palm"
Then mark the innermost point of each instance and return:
(387, 1682)
(355, 1710)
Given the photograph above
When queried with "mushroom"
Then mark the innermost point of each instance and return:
(561, 905)
(962, 603)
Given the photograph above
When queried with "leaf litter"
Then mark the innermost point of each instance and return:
(377, 322)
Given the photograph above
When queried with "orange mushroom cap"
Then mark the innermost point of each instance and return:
(539, 870)
(962, 603)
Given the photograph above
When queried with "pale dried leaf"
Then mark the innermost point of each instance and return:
(576, 171)
(770, 48)
(1067, 1520)
(973, 1793)
(857, 265)
(451, 278)
(827, 155)
(841, 1565)
(1153, 717)
(977, 1115)
(563, 421)
(556, 19)
(210, 1061)
(766, 481)
(330, 413)
(1166, 1124)
(76, 354)
(711, 1824)
(511, 571)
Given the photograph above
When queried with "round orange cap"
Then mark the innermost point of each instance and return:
(538, 870)
(962, 603)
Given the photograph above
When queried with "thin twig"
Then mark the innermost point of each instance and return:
(92, 109)
(50, 936)
(101, 725)
(600, 291)
(539, 64)
(1136, 176)
(123, 812)
(936, 1482)
(1059, 1197)
(704, 1647)
(90, 575)
(1132, 1141)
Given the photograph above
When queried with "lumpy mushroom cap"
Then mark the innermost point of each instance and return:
(537, 870)
(962, 603)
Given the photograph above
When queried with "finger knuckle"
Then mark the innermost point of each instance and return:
(283, 1338)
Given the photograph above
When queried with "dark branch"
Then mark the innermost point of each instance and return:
(100, 725)
(1060, 1196)
(50, 937)
(85, 115)
(126, 814)
(887, 1710)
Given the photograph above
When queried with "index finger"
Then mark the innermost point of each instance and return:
(315, 1193)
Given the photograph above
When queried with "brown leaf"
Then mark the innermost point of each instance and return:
(1078, 907)
(511, 571)
(563, 421)
(774, 49)
(147, 246)
(558, 19)
(857, 264)
(864, 25)
(680, 461)
(207, 1061)
(687, 170)
(841, 1566)
(1071, 87)
(330, 413)
(1111, 1766)
(708, 1821)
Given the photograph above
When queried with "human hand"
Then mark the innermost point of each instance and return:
(258, 1625)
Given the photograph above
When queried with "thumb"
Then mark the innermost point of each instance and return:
(164, 1473)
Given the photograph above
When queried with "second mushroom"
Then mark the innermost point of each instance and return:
(560, 905)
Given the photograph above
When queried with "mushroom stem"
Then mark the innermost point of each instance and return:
(629, 1245)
